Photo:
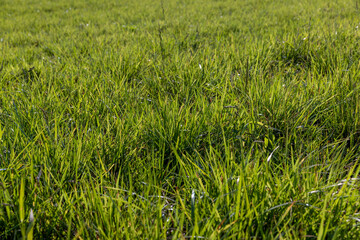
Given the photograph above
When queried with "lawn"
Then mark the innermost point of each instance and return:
(179, 119)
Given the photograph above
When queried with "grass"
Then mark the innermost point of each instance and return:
(179, 119)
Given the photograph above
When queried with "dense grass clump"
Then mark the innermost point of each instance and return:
(179, 119)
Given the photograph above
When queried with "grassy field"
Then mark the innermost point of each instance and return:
(179, 119)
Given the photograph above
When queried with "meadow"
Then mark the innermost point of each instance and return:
(179, 119)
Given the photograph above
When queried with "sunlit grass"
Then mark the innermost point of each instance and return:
(179, 119)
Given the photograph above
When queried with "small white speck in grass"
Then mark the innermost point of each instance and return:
(270, 156)
(6, 151)
(31, 216)
(1, 39)
(200, 66)
(304, 38)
